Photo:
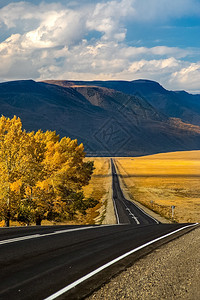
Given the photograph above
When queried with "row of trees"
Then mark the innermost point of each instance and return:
(41, 176)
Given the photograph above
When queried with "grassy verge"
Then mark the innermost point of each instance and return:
(162, 180)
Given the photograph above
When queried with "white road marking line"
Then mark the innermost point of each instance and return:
(115, 207)
(116, 213)
(131, 214)
(136, 220)
(27, 237)
(137, 205)
(89, 275)
(34, 236)
(146, 213)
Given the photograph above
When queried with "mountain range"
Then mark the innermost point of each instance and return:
(177, 104)
(111, 118)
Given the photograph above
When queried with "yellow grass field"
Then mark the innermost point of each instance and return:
(98, 188)
(162, 180)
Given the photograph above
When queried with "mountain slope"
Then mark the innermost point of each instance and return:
(108, 122)
(179, 104)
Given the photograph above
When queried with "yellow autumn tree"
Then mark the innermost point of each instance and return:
(33, 171)
(38, 201)
(66, 174)
(12, 156)
(41, 176)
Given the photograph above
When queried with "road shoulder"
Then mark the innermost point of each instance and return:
(110, 217)
(170, 272)
(128, 196)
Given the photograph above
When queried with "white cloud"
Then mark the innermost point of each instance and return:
(158, 51)
(94, 60)
(10, 14)
(57, 29)
(106, 18)
(153, 66)
(46, 25)
(187, 77)
(52, 41)
(105, 60)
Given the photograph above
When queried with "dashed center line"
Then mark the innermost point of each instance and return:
(34, 236)
(131, 214)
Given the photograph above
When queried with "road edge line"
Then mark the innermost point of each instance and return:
(89, 275)
(115, 207)
(158, 222)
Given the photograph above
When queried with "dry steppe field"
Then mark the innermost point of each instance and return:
(98, 189)
(162, 180)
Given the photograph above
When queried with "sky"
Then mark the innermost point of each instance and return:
(102, 40)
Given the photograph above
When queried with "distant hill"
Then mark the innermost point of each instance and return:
(107, 121)
(177, 104)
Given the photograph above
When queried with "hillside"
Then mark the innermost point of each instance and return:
(108, 122)
(177, 104)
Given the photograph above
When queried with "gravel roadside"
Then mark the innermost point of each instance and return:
(169, 272)
(110, 217)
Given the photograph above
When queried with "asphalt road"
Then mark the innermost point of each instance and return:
(127, 212)
(37, 262)
(43, 261)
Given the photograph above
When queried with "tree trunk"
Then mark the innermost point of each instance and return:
(38, 221)
(7, 220)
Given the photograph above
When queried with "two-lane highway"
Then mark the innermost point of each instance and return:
(69, 262)
(126, 211)
(36, 266)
